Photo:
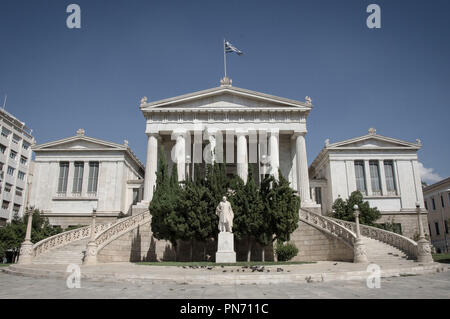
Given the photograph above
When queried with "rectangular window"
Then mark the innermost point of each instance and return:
(2, 148)
(19, 191)
(25, 145)
(375, 177)
(318, 192)
(12, 155)
(442, 201)
(63, 176)
(21, 175)
(5, 204)
(78, 177)
(436, 225)
(5, 132)
(16, 208)
(16, 139)
(23, 160)
(93, 177)
(10, 171)
(446, 226)
(135, 195)
(433, 202)
(390, 177)
(8, 187)
(360, 177)
(426, 204)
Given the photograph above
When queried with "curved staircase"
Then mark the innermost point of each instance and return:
(72, 253)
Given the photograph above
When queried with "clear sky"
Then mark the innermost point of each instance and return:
(396, 79)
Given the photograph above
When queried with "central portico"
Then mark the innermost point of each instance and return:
(227, 124)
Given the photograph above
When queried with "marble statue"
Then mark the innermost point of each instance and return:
(226, 215)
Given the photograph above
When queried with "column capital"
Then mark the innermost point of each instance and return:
(298, 133)
(179, 132)
(274, 131)
(239, 132)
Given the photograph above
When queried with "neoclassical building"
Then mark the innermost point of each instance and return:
(231, 125)
(79, 174)
(385, 170)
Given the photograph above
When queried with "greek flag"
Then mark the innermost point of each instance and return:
(229, 48)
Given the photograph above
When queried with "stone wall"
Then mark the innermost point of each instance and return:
(408, 220)
(140, 245)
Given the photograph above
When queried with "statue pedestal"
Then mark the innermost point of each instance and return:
(225, 248)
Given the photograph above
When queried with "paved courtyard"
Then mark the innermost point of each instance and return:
(424, 286)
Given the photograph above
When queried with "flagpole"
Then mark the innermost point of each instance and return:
(224, 58)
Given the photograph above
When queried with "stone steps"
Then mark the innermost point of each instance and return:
(72, 253)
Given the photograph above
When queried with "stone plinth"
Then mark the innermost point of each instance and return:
(225, 248)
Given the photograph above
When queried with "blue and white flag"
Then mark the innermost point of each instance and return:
(229, 48)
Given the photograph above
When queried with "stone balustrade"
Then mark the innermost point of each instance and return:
(405, 244)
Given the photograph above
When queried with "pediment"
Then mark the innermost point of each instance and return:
(373, 141)
(78, 143)
(224, 98)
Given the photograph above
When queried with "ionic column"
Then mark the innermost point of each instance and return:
(151, 166)
(382, 178)
(242, 156)
(274, 153)
(302, 169)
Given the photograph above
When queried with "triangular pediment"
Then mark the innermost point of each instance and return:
(79, 143)
(373, 141)
(226, 98)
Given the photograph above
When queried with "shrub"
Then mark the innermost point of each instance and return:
(286, 252)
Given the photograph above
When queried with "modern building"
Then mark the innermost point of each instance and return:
(76, 175)
(15, 157)
(385, 170)
(437, 202)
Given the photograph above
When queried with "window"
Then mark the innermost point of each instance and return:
(433, 202)
(442, 201)
(5, 204)
(63, 175)
(360, 177)
(13, 154)
(375, 177)
(135, 195)
(10, 171)
(23, 160)
(93, 177)
(19, 191)
(429, 229)
(318, 192)
(5, 132)
(446, 226)
(2, 148)
(16, 208)
(78, 177)
(21, 175)
(25, 145)
(436, 226)
(426, 204)
(8, 187)
(390, 177)
(16, 139)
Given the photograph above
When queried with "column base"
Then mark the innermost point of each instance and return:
(424, 251)
(26, 253)
(359, 252)
(91, 254)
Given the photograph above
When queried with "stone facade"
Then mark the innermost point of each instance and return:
(437, 202)
(384, 169)
(76, 175)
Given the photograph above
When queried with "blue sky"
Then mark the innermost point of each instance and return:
(396, 79)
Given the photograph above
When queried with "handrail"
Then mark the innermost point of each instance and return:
(405, 244)
(65, 238)
(121, 227)
(328, 225)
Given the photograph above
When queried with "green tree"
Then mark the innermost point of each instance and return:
(344, 209)
(13, 234)
(281, 210)
(249, 209)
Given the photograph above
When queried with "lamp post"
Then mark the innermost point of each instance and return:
(423, 246)
(91, 249)
(26, 249)
(359, 249)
